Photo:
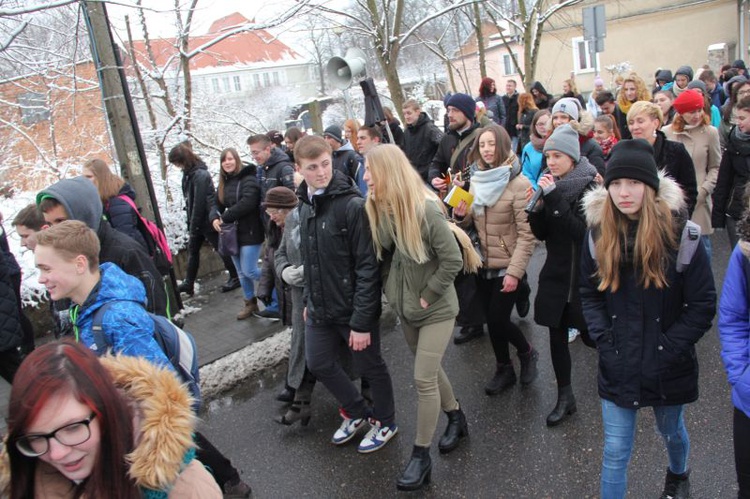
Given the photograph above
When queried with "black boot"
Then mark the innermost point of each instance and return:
(231, 284)
(676, 486)
(566, 406)
(468, 333)
(456, 430)
(286, 395)
(300, 408)
(186, 287)
(529, 371)
(504, 378)
(418, 472)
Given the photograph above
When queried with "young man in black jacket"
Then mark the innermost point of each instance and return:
(421, 138)
(342, 294)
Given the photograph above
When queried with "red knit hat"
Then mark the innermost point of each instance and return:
(687, 101)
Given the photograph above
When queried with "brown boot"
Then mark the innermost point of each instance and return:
(251, 306)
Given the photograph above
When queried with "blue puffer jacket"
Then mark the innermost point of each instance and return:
(734, 327)
(127, 326)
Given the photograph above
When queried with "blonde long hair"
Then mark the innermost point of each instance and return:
(396, 205)
(654, 241)
(107, 183)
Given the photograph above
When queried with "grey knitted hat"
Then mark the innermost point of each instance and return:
(565, 140)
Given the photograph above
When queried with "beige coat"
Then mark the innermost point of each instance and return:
(165, 424)
(702, 143)
(504, 232)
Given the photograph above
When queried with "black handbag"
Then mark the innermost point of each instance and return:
(228, 243)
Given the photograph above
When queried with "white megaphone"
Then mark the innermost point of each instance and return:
(341, 71)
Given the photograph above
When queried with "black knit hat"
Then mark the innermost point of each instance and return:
(280, 197)
(463, 103)
(632, 159)
(335, 132)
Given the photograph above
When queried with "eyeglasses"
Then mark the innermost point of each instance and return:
(275, 211)
(744, 92)
(37, 444)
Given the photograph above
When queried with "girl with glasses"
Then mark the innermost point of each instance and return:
(116, 427)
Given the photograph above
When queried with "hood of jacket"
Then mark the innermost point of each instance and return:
(340, 184)
(247, 169)
(664, 75)
(277, 156)
(80, 198)
(163, 421)
(346, 147)
(669, 192)
(127, 190)
(423, 119)
(200, 165)
(539, 87)
(585, 124)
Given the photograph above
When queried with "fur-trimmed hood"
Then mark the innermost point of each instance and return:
(164, 422)
(743, 232)
(584, 125)
(669, 192)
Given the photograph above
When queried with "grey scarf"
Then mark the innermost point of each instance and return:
(572, 184)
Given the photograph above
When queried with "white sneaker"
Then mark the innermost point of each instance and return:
(347, 430)
(377, 437)
(573, 333)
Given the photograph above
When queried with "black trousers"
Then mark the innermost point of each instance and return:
(194, 254)
(220, 466)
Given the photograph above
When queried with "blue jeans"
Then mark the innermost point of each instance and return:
(619, 433)
(247, 268)
(706, 240)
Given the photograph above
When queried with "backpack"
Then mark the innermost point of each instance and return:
(177, 344)
(689, 241)
(156, 240)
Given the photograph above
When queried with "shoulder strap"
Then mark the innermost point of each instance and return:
(100, 339)
(462, 144)
(689, 241)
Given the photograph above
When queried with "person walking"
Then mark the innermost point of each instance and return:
(419, 286)
(238, 203)
(558, 220)
(493, 103)
(692, 128)
(647, 301)
(506, 244)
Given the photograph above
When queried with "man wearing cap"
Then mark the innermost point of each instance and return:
(345, 158)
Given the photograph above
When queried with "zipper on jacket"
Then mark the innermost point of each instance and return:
(505, 247)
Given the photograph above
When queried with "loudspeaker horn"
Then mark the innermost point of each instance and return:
(341, 71)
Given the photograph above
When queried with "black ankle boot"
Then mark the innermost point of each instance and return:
(186, 287)
(676, 486)
(528, 361)
(566, 406)
(504, 378)
(298, 411)
(418, 472)
(456, 430)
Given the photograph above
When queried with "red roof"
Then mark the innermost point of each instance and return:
(257, 47)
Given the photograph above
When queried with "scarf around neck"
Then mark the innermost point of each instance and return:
(488, 185)
(572, 184)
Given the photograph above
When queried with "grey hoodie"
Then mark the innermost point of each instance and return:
(79, 197)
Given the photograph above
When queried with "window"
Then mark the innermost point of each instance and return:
(256, 80)
(276, 78)
(33, 108)
(225, 81)
(583, 62)
(266, 80)
(237, 84)
(215, 85)
(508, 68)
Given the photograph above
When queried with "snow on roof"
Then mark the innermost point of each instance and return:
(249, 48)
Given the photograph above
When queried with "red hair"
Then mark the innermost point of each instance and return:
(69, 369)
(485, 88)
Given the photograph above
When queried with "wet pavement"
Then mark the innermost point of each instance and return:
(510, 453)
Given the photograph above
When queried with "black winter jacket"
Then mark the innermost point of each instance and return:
(342, 275)
(346, 160)
(122, 217)
(734, 174)
(646, 337)
(622, 123)
(421, 141)
(246, 210)
(278, 171)
(511, 113)
(127, 254)
(442, 160)
(673, 158)
(198, 191)
(562, 225)
(10, 323)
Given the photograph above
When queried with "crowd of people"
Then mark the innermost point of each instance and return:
(623, 188)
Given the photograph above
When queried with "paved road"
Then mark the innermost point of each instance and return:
(510, 454)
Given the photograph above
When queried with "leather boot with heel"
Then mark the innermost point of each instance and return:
(566, 406)
(456, 430)
(251, 306)
(300, 408)
(418, 472)
(504, 378)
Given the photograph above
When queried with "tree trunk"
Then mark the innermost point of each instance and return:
(480, 42)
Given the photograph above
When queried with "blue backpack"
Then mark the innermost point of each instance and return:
(177, 344)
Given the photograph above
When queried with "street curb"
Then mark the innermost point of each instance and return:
(231, 370)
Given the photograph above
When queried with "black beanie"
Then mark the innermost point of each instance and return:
(632, 159)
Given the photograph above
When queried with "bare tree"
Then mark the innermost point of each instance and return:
(528, 20)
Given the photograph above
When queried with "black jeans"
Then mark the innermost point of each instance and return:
(194, 254)
(322, 347)
(497, 307)
(220, 466)
(742, 452)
